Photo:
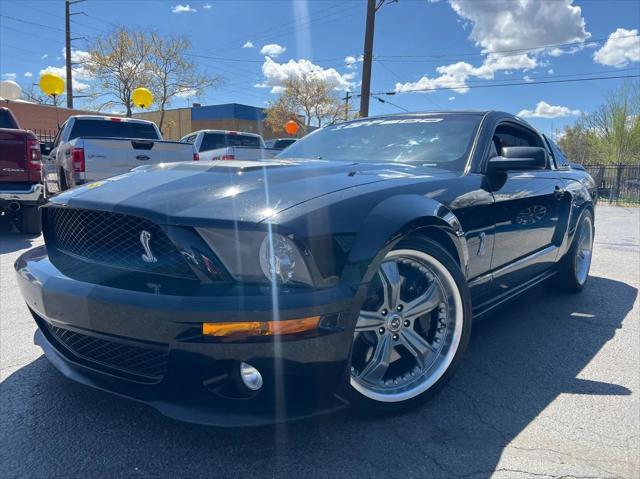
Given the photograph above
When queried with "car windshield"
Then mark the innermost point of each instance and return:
(113, 129)
(434, 140)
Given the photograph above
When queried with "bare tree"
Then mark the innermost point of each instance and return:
(310, 96)
(119, 62)
(36, 95)
(172, 74)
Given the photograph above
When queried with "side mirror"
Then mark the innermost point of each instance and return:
(519, 158)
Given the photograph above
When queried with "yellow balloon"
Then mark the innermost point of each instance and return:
(51, 84)
(142, 97)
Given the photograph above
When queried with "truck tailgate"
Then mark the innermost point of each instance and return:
(13, 156)
(105, 157)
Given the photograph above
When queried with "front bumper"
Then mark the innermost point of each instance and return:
(187, 376)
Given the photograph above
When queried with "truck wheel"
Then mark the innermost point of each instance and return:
(62, 183)
(29, 223)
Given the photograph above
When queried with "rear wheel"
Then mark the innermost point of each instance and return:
(573, 269)
(29, 221)
(412, 330)
(62, 184)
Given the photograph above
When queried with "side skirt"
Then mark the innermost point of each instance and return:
(488, 306)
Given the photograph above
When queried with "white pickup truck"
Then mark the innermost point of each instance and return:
(89, 148)
(229, 145)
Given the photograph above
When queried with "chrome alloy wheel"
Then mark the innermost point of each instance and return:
(409, 330)
(584, 249)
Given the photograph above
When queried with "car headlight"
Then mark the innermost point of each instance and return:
(258, 256)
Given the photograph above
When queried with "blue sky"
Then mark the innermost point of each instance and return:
(419, 45)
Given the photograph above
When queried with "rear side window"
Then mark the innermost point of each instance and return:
(213, 141)
(5, 120)
(113, 129)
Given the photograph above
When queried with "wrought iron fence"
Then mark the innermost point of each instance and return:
(618, 184)
(45, 135)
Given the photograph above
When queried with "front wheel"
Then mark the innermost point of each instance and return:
(412, 330)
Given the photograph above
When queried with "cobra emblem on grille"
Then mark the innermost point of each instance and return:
(148, 256)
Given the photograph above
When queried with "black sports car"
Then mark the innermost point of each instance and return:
(348, 272)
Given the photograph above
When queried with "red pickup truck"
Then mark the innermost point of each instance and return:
(21, 190)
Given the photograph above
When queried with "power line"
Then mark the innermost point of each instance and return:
(382, 100)
(522, 83)
(454, 56)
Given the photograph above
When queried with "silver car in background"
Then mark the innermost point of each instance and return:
(91, 147)
(229, 145)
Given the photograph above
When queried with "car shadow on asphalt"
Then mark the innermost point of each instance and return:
(520, 360)
(11, 240)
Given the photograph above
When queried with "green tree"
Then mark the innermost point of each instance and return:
(611, 133)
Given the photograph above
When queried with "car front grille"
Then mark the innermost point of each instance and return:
(149, 362)
(113, 240)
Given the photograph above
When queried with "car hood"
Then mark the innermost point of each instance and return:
(244, 191)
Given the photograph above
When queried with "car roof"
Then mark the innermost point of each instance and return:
(225, 132)
(103, 117)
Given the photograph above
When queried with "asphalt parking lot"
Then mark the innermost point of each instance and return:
(549, 388)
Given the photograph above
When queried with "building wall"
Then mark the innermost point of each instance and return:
(230, 116)
(176, 124)
(42, 119)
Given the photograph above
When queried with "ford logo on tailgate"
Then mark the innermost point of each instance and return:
(142, 157)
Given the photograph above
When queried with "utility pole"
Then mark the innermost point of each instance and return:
(67, 46)
(372, 7)
(367, 58)
(347, 96)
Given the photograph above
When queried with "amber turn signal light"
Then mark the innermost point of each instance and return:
(260, 328)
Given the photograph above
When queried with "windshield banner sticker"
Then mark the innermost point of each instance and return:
(404, 121)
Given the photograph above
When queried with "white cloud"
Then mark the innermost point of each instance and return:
(544, 110)
(527, 78)
(510, 26)
(276, 73)
(206, 6)
(46, 55)
(28, 74)
(451, 98)
(273, 50)
(350, 60)
(186, 93)
(80, 74)
(9, 76)
(248, 44)
(455, 76)
(622, 47)
(550, 71)
(179, 8)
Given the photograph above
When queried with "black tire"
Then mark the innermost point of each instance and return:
(62, 183)
(367, 405)
(568, 277)
(29, 222)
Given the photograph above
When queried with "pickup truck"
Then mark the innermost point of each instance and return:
(229, 145)
(89, 148)
(21, 191)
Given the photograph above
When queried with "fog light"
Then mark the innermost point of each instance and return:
(251, 377)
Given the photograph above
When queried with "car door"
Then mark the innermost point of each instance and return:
(528, 213)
